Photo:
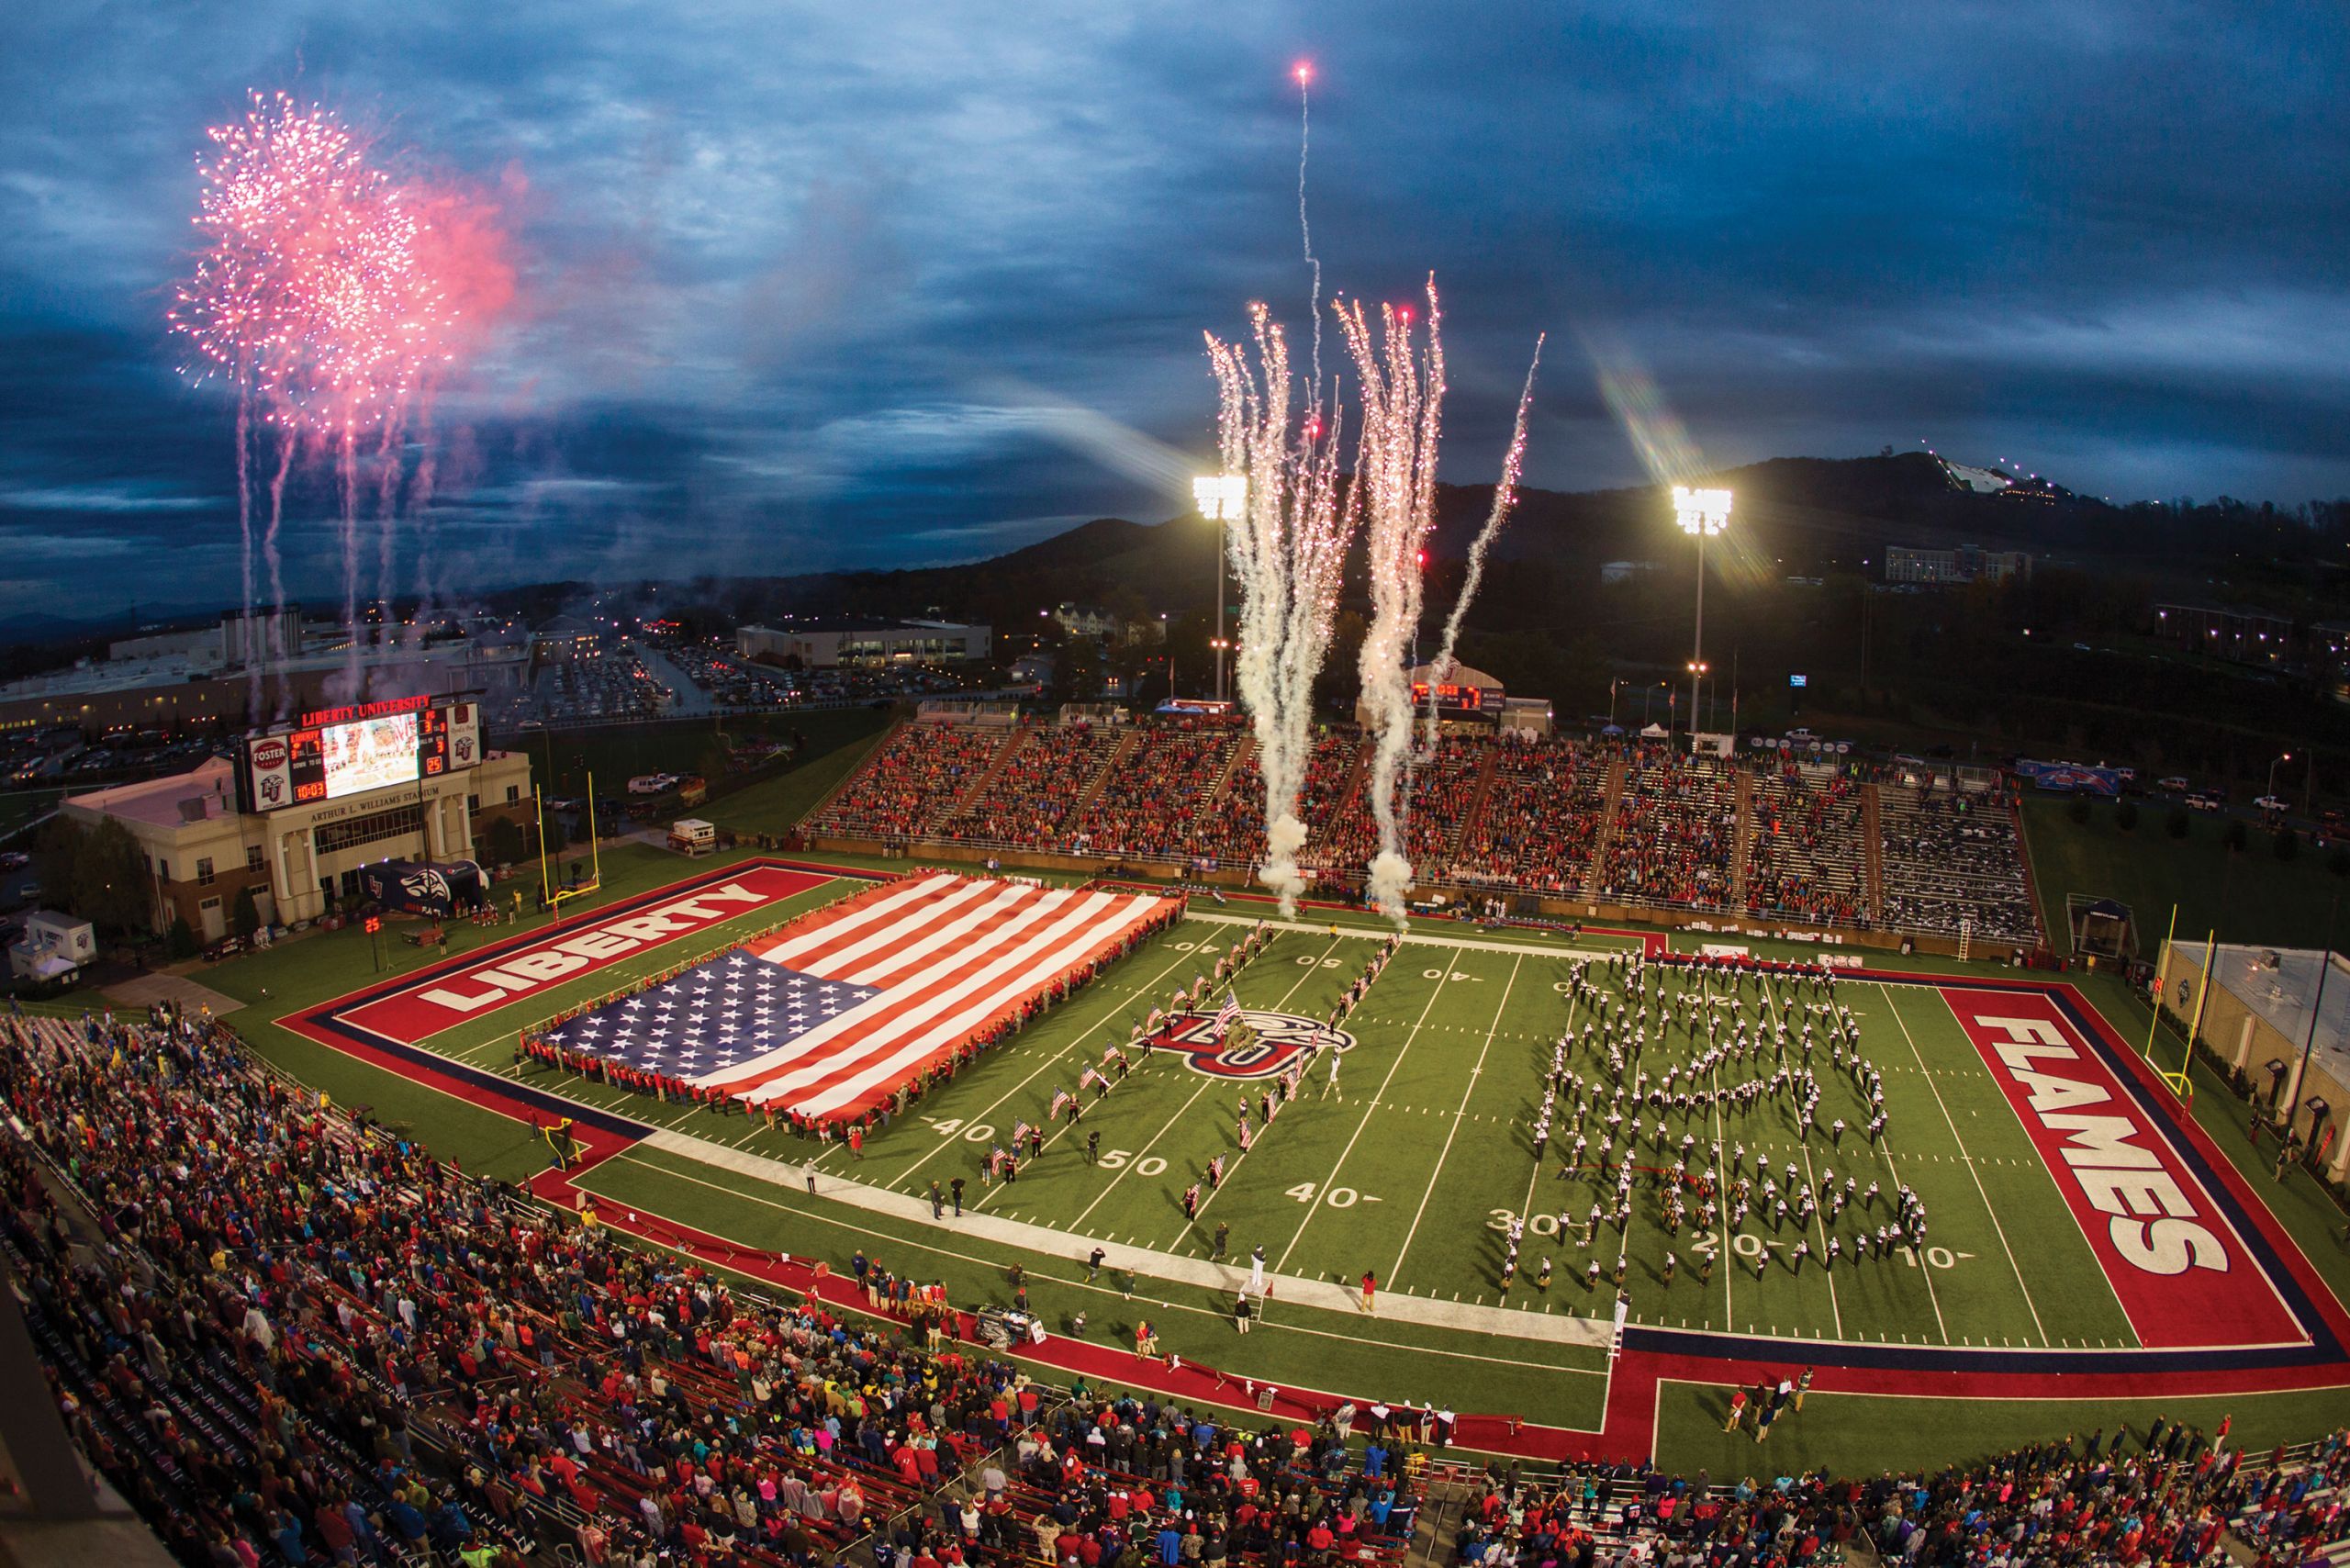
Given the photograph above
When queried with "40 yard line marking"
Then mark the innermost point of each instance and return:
(1454, 1131)
(1401, 1052)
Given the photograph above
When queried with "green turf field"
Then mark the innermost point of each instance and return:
(1408, 1168)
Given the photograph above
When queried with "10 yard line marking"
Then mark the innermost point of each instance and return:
(1998, 1229)
(1455, 1130)
(1401, 1052)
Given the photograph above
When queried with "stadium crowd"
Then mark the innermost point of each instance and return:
(1026, 802)
(1674, 833)
(1541, 821)
(1497, 814)
(315, 1343)
(911, 783)
(2164, 1494)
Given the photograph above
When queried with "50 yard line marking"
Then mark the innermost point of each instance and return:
(1454, 1131)
(1400, 1051)
(1206, 1083)
(1996, 1228)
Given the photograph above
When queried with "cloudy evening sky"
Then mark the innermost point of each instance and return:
(809, 284)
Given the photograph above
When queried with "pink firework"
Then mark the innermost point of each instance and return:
(332, 296)
(319, 285)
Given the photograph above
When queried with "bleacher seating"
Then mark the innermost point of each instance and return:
(1158, 802)
(1540, 818)
(910, 782)
(1026, 803)
(1674, 833)
(1807, 859)
(1953, 862)
(1496, 814)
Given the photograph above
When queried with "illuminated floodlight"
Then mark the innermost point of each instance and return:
(1700, 513)
(1220, 496)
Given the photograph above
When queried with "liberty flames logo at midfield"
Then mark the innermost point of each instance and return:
(1281, 1039)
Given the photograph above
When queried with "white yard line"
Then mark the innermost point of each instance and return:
(1459, 1115)
(1416, 938)
(1884, 1153)
(1725, 1260)
(1966, 1159)
(1400, 1051)
(1819, 1217)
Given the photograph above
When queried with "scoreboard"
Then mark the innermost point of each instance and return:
(337, 752)
(1451, 697)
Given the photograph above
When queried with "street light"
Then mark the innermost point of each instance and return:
(2272, 773)
(1220, 497)
(1701, 514)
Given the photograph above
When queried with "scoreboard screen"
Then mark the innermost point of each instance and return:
(1451, 697)
(349, 750)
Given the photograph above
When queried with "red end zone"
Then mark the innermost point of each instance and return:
(2180, 1268)
(448, 997)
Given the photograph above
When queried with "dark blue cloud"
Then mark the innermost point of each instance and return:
(816, 284)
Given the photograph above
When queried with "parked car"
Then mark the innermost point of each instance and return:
(2274, 804)
(2203, 800)
(15, 860)
(2175, 784)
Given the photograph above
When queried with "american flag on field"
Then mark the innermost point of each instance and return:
(1228, 1014)
(834, 1015)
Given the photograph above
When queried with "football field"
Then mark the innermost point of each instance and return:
(2071, 1223)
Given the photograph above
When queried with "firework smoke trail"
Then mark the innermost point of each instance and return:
(1505, 497)
(245, 538)
(1402, 400)
(1287, 555)
(277, 649)
(1304, 74)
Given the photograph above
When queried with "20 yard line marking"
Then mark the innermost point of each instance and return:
(1454, 1131)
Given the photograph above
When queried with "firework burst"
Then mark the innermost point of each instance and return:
(329, 295)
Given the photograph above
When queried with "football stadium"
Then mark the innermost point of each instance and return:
(818, 786)
(1545, 1180)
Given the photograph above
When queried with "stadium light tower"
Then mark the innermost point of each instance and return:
(1701, 514)
(1220, 497)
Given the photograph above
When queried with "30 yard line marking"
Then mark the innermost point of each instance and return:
(1454, 1131)
(1401, 1052)
(1998, 1229)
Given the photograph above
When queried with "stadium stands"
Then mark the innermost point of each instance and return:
(1540, 819)
(1806, 858)
(910, 783)
(1674, 833)
(1759, 837)
(1159, 800)
(1025, 805)
(1953, 862)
